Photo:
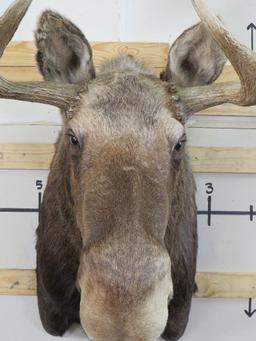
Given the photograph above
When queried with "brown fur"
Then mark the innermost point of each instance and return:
(118, 221)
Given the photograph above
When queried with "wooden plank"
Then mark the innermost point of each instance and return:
(204, 159)
(223, 160)
(19, 53)
(20, 74)
(226, 285)
(29, 156)
(17, 282)
(22, 53)
(229, 110)
(154, 54)
(228, 74)
(218, 285)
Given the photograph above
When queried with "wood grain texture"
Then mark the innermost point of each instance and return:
(17, 282)
(29, 156)
(223, 160)
(204, 159)
(218, 285)
(226, 285)
(22, 53)
(21, 74)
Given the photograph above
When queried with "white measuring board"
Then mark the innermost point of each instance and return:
(226, 240)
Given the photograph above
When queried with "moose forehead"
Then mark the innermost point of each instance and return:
(127, 100)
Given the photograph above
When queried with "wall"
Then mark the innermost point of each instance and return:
(228, 245)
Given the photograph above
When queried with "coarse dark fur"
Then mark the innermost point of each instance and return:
(123, 165)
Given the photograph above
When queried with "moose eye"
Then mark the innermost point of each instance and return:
(180, 144)
(74, 141)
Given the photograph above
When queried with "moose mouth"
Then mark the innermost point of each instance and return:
(118, 304)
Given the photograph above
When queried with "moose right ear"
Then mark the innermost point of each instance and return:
(194, 59)
(64, 54)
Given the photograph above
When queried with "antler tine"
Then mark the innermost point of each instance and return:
(61, 96)
(10, 21)
(242, 59)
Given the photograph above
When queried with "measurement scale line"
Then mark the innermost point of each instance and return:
(39, 204)
(250, 213)
(209, 212)
(19, 210)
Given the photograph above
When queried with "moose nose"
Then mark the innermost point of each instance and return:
(124, 299)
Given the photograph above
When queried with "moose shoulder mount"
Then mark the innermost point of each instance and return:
(117, 238)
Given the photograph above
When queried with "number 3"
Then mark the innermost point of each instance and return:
(210, 188)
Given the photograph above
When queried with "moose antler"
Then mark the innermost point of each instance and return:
(63, 96)
(243, 61)
(10, 21)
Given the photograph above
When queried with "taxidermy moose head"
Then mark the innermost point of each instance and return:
(117, 239)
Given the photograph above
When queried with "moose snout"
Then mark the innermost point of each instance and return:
(124, 298)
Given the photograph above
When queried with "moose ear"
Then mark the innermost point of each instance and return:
(194, 59)
(64, 54)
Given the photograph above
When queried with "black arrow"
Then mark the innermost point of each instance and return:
(252, 27)
(250, 312)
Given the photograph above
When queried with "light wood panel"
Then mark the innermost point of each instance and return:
(29, 156)
(17, 282)
(223, 160)
(218, 285)
(22, 53)
(204, 159)
(226, 285)
(20, 74)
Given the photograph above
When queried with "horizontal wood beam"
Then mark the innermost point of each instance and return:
(223, 160)
(203, 159)
(22, 53)
(26, 156)
(226, 285)
(17, 282)
(218, 285)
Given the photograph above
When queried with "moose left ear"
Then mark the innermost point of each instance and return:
(194, 59)
(64, 54)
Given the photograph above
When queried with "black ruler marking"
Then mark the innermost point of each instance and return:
(209, 211)
(39, 203)
(249, 213)
(19, 210)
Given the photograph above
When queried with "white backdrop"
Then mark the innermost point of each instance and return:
(228, 245)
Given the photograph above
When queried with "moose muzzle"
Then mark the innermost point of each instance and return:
(126, 285)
